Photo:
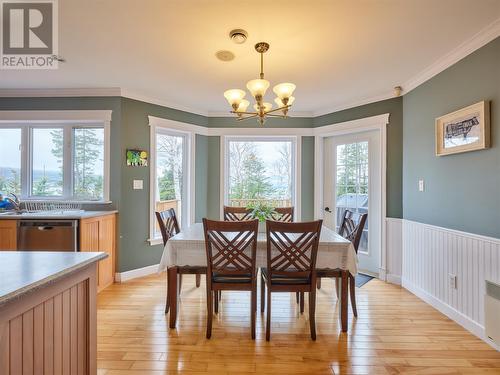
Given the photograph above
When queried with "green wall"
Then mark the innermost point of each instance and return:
(394, 144)
(307, 184)
(135, 251)
(461, 190)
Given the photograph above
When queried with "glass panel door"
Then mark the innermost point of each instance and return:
(352, 184)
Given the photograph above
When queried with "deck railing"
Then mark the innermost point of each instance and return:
(267, 202)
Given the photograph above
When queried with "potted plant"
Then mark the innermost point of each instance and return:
(262, 212)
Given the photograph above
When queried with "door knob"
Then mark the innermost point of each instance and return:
(327, 209)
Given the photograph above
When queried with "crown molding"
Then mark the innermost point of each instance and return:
(354, 103)
(291, 114)
(59, 92)
(131, 94)
(477, 41)
(483, 37)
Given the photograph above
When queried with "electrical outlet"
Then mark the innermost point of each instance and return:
(453, 281)
(138, 185)
(421, 186)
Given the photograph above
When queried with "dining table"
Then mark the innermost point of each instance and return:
(187, 249)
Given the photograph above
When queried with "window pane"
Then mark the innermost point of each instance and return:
(10, 161)
(47, 159)
(354, 174)
(260, 172)
(170, 174)
(88, 164)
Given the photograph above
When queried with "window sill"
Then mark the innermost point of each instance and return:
(155, 241)
(62, 200)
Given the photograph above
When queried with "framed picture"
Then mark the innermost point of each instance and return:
(137, 158)
(467, 129)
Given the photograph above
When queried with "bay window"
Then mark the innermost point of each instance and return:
(260, 170)
(170, 172)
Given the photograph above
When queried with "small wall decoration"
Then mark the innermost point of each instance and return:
(137, 158)
(467, 129)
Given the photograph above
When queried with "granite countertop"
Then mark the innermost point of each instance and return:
(22, 272)
(48, 215)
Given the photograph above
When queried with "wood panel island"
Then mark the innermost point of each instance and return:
(48, 312)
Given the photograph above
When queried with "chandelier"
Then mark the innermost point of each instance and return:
(258, 88)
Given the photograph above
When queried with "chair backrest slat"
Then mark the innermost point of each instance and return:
(237, 213)
(284, 214)
(351, 227)
(292, 248)
(167, 221)
(231, 246)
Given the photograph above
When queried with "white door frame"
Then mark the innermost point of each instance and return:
(378, 123)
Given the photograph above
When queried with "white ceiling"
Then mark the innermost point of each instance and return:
(336, 52)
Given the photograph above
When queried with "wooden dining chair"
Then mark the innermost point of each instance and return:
(237, 213)
(292, 249)
(231, 248)
(284, 214)
(169, 227)
(351, 228)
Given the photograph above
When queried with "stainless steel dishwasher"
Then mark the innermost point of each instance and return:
(47, 235)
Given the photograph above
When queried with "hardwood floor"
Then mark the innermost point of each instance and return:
(395, 333)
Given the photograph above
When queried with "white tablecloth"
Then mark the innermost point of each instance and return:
(188, 249)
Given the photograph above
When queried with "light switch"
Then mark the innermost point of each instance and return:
(138, 184)
(420, 185)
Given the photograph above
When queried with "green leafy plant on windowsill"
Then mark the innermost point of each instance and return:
(261, 211)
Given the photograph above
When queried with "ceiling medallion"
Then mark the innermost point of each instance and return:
(258, 88)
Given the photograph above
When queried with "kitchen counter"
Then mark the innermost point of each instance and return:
(23, 272)
(55, 215)
(48, 312)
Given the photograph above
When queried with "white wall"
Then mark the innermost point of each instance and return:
(431, 253)
(394, 244)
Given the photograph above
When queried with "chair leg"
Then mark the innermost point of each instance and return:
(262, 294)
(253, 308)
(180, 283)
(318, 282)
(268, 320)
(216, 301)
(337, 287)
(167, 303)
(210, 312)
(302, 302)
(352, 288)
(312, 312)
(297, 297)
(198, 280)
(220, 295)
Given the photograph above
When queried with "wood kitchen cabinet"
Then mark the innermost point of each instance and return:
(8, 235)
(99, 234)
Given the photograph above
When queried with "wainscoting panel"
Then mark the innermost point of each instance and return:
(394, 244)
(432, 255)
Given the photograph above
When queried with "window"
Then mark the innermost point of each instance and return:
(171, 171)
(260, 170)
(58, 161)
(10, 161)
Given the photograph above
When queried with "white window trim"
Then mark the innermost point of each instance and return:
(9, 119)
(174, 128)
(296, 166)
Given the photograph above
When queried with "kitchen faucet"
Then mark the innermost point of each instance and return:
(14, 201)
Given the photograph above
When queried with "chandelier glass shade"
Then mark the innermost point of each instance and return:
(258, 88)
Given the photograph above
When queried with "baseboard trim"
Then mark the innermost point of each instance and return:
(450, 312)
(393, 279)
(121, 277)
